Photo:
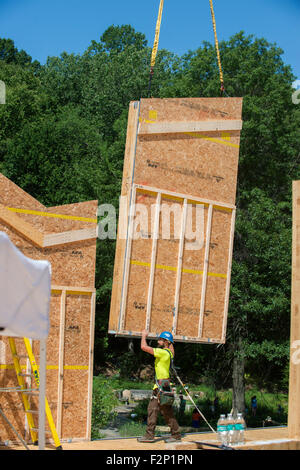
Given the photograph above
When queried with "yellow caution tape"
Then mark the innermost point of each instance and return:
(173, 268)
(71, 292)
(217, 141)
(11, 366)
(49, 214)
(69, 367)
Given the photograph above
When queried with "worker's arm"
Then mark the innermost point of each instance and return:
(171, 347)
(144, 345)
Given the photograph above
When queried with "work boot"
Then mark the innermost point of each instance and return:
(146, 439)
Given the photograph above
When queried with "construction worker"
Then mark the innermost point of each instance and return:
(163, 354)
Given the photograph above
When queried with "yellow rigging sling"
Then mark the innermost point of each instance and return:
(156, 40)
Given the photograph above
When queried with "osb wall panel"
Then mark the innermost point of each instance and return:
(201, 165)
(73, 265)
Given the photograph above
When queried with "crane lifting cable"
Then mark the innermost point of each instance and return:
(217, 45)
(156, 40)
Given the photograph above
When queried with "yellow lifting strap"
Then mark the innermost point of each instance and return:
(217, 45)
(157, 32)
(155, 45)
(156, 40)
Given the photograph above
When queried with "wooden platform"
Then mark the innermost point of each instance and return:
(255, 439)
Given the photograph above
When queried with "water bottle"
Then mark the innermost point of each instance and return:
(222, 430)
(240, 427)
(230, 429)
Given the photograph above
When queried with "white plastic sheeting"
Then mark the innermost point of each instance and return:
(25, 291)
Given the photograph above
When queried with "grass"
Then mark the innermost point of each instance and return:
(267, 405)
(132, 430)
(118, 383)
(103, 410)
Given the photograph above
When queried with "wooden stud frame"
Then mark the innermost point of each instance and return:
(64, 290)
(191, 146)
(186, 199)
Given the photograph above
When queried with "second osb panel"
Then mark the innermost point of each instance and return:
(73, 265)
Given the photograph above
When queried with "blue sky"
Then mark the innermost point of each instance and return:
(48, 27)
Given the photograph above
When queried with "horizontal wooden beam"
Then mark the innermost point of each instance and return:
(179, 196)
(179, 127)
(83, 290)
(21, 226)
(45, 240)
(179, 338)
(71, 236)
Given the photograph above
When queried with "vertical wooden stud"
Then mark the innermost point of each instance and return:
(294, 381)
(61, 360)
(153, 259)
(228, 275)
(127, 259)
(205, 269)
(91, 366)
(179, 265)
(42, 393)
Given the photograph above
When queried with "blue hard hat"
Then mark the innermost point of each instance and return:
(167, 335)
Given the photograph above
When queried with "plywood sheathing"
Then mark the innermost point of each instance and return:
(71, 337)
(203, 165)
(200, 167)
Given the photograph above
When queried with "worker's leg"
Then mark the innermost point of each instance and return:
(168, 414)
(153, 410)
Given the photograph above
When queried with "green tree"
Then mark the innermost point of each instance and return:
(45, 159)
(258, 327)
(118, 38)
(25, 101)
(11, 55)
(62, 139)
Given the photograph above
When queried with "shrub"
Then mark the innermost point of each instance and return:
(104, 402)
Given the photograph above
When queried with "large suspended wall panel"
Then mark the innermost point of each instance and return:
(177, 217)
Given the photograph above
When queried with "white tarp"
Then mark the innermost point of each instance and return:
(25, 291)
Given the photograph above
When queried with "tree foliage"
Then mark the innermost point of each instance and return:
(62, 139)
